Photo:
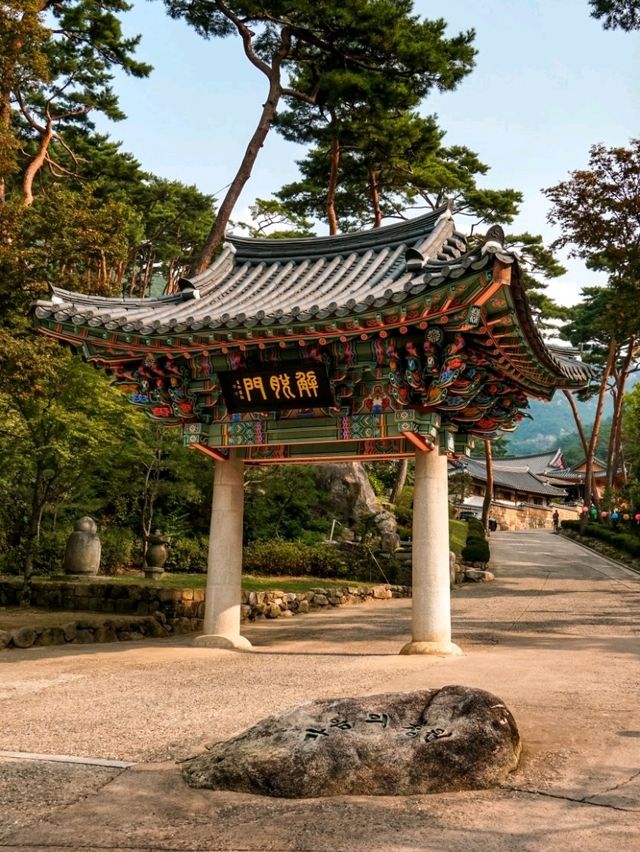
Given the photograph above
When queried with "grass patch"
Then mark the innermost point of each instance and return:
(457, 535)
(250, 582)
(253, 583)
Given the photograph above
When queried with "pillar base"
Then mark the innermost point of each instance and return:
(228, 643)
(442, 649)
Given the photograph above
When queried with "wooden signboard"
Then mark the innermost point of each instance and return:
(283, 386)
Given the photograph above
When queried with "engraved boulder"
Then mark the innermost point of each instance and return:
(397, 744)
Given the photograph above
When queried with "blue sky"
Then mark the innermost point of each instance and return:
(549, 82)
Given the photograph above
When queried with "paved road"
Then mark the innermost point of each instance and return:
(557, 637)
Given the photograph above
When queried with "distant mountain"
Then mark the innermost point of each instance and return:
(551, 422)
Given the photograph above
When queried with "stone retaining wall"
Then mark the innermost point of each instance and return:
(155, 611)
(528, 517)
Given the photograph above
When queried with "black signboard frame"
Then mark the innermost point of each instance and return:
(296, 384)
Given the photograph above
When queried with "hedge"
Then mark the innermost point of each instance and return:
(476, 550)
(293, 558)
(621, 541)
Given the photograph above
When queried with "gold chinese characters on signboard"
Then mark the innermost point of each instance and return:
(294, 385)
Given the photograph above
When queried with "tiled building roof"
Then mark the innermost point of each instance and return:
(518, 478)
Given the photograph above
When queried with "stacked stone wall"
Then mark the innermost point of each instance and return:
(140, 611)
(530, 517)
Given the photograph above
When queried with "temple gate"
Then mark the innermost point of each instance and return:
(402, 341)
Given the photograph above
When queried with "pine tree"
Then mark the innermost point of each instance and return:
(317, 46)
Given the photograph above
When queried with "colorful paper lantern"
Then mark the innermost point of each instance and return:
(585, 509)
(625, 517)
(604, 515)
(638, 517)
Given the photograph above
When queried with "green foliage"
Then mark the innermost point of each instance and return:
(188, 555)
(598, 212)
(277, 557)
(626, 542)
(399, 155)
(624, 14)
(59, 62)
(476, 550)
(404, 507)
(476, 547)
(337, 59)
(458, 531)
(476, 530)
(285, 502)
(121, 548)
(273, 219)
(631, 428)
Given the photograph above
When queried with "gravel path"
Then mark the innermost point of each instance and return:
(556, 637)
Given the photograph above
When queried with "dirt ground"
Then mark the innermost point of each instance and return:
(556, 637)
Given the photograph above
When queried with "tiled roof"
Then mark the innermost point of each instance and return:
(517, 478)
(259, 288)
(258, 282)
(537, 463)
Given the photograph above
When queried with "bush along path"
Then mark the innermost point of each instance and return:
(614, 543)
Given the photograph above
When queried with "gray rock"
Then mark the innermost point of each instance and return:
(5, 638)
(453, 568)
(51, 636)
(70, 631)
(434, 740)
(351, 493)
(84, 637)
(381, 593)
(477, 575)
(24, 637)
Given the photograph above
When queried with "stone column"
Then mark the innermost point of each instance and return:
(224, 570)
(431, 605)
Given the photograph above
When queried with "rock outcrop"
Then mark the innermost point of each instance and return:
(354, 498)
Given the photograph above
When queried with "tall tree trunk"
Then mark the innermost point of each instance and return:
(5, 124)
(375, 199)
(36, 164)
(578, 420)
(216, 235)
(590, 492)
(334, 165)
(31, 539)
(488, 494)
(401, 478)
(615, 438)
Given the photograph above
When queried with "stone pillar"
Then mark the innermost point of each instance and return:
(431, 604)
(224, 570)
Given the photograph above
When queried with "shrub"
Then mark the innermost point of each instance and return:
(293, 558)
(120, 548)
(476, 530)
(623, 541)
(476, 550)
(188, 555)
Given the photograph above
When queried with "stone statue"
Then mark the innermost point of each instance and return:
(156, 555)
(82, 554)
